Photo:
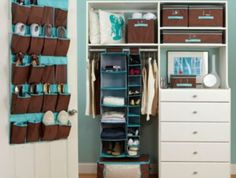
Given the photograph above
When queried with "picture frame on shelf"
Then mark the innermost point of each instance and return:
(188, 63)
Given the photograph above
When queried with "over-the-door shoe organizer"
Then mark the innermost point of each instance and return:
(39, 69)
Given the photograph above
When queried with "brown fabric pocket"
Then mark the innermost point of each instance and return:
(48, 75)
(50, 45)
(62, 47)
(33, 132)
(63, 102)
(35, 104)
(36, 74)
(36, 15)
(48, 16)
(63, 131)
(61, 17)
(19, 104)
(36, 46)
(18, 133)
(49, 102)
(20, 44)
(20, 74)
(20, 13)
(49, 132)
(61, 74)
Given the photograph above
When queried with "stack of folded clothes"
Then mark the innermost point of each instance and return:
(113, 117)
(116, 133)
(114, 101)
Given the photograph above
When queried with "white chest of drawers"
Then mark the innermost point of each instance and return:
(194, 133)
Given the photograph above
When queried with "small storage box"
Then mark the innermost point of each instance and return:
(183, 81)
(175, 15)
(206, 15)
(193, 37)
(141, 31)
(143, 162)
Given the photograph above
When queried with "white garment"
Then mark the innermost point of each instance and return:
(155, 102)
(93, 80)
(94, 27)
(88, 89)
(144, 98)
(151, 89)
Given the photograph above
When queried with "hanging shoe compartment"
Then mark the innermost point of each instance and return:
(39, 83)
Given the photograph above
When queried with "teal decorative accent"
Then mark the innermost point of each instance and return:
(193, 40)
(52, 60)
(63, 4)
(208, 17)
(141, 25)
(175, 17)
(117, 26)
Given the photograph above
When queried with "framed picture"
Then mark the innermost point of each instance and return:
(188, 63)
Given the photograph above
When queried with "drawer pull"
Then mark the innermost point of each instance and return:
(195, 133)
(195, 173)
(175, 17)
(195, 152)
(194, 96)
(194, 112)
(207, 17)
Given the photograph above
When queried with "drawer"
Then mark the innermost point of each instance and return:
(175, 15)
(195, 170)
(202, 15)
(192, 112)
(195, 95)
(205, 152)
(215, 132)
(192, 37)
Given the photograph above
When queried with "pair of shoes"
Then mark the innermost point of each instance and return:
(20, 29)
(33, 2)
(134, 102)
(62, 118)
(134, 92)
(134, 72)
(133, 142)
(48, 31)
(35, 60)
(114, 149)
(133, 132)
(19, 58)
(21, 2)
(133, 147)
(134, 59)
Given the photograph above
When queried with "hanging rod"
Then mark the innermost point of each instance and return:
(124, 50)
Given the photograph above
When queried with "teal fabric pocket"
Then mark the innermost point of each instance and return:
(63, 4)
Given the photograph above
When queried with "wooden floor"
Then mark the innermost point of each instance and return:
(94, 176)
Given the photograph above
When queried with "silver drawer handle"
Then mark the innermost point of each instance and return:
(195, 173)
(194, 96)
(195, 133)
(195, 152)
(194, 112)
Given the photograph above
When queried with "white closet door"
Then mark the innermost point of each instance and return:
(57, 159)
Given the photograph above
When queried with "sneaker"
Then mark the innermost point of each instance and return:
(48, 30)
(61, 32)
(48, 118)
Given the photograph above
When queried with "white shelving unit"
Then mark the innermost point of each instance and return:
(194, 124)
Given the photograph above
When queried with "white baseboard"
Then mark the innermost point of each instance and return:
(91, 168)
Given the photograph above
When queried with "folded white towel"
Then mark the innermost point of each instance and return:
(116, 101)
(149, 16)
(113, 114)
(137, 15)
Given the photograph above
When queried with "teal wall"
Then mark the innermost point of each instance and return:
(89, 128)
